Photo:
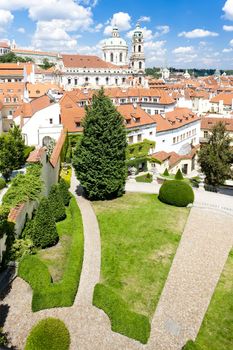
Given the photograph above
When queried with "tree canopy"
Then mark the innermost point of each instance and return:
(99, 159)
(216, 157)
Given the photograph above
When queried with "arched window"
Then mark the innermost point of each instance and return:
(97, 80)
(140, 65)
(140, 80)
(139, 48)
(107, 80)
(46, 140)
(121, 57)
(134, 48)
(111, 57)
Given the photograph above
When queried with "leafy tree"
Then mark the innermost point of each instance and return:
(215, 158)
(46, 64)
(11, 57)
(44, 233)
(56, 203)
(99, 160)
(64, 191)
(18, 145)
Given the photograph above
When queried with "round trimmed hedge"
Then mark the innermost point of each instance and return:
(2, 183)
(48, 334)
(177, 193)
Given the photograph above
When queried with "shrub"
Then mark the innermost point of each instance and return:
(179, 175)
(2, 183)
(47, 294)
(44, 233)
(56, 203)
(144, 178)
(64, 191)
(166, 173)
(176, 192)
(20, 248)
(123, 320)
(50, 333)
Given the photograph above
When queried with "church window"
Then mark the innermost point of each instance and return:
(97, 80)
(107, 79)
(75, 81)
(69, 81)
(140, 80)
(139, 48)
(111, 57)
(86, 79)
(134, 48)
(121, 57)
(116, 81)
(140, 65)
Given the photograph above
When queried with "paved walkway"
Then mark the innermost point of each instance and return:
(196, 268)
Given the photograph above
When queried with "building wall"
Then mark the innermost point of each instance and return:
(165, 140)
(141, 133)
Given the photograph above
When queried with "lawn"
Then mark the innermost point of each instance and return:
(139, 237)
(54, 273)
(144, 178)
(216, 332)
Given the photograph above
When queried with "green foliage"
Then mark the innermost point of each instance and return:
(24, 187)
(215, 158)
(155, 72)
(47, 294)
(99, 160)
(56, 203)
(136, 162)
(20, 248)
(2, 183)
(123, 320)
(176, 192)
(166, 173)
(11, 57)
(49, 333)
(144, 178)
(3, 338)
(50, 147)
(3, 221)
(44, 233)
(46, 64)
(64, 191)
(73, 143)
(179, 175)
(27, 151)
(140, 149)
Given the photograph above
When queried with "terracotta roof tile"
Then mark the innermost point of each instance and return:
(208, 123)
(57, 149)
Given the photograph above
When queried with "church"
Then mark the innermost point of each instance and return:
(115, 68)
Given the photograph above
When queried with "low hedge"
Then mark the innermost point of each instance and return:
(47, 294)
(176, 192)
(2, 183)
(123, 320)
(50, 333)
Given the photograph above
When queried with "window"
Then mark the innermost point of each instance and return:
(15, 99)
(151, 133)
(116, 81)
(97, 80)
(130, 139)
(156, 111)
(140, 80)
(123, 80)
(139, 137)
(77, 124)
(69, 81)
(111, 57)
(140, 65)
(174, 140)
(107, 80)
(50, 121)
(121, 57)
(148, 111)
(139, 48)
(75, 81)
(206, 134)
(86, 79)
(10, 112)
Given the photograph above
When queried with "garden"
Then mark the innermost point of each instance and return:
(139, 237)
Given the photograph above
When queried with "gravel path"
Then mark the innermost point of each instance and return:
(196, 268)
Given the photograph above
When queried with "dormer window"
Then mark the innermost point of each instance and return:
(77, 124)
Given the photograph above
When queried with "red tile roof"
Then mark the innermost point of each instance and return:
(28, 109)
(174, 157)
(86, 61)
(57, 149)
(208, 123)
(225, 97)
(36, 155)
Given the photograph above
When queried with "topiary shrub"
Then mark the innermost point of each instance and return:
(176, 192)
(179, 175)
(50, 333)
(166, 173)
(44, 233)
(2, 183)
(64, 191)
(56, 203)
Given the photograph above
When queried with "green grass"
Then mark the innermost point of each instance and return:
(216, 332)
(144, 178)
(34, 269)
(139, 237)
(50, 333)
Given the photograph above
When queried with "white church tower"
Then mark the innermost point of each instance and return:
(115, 49)
(137, 59)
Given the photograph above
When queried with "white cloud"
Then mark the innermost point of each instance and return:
(228, 9)
(147, 34)
(183, 50)
(161, 30)
(231, 42)
(144, 19)
(186, 58)
(21, 30)
(197, 33)
(228, 28)
(119, 19)
(155, 52)
(227, 50)
(6, 19)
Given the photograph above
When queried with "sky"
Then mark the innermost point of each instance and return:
(178, 33)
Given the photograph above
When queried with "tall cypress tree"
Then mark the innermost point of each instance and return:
(99, 159)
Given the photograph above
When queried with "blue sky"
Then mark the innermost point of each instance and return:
(180, 33)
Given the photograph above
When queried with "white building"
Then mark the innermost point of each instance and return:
(39, 121)
(137, 59)
(4, 48)
(115, 49)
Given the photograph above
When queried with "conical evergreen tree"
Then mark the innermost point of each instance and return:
(56, 203)
(44, 232)
(64, 191)
(179, 175)
(18, 145)
(99, 160)
(166, 173)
